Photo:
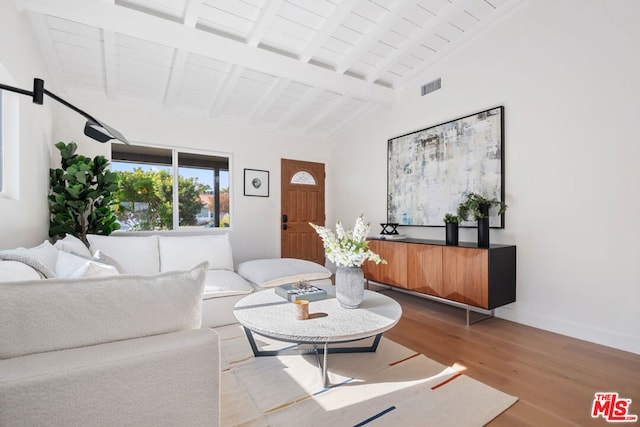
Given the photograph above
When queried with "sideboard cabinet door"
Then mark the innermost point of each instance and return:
(424, 269)
(371, 269)
(394, 272)
(466, 275)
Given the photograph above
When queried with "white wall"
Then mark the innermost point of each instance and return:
(566, 73)
(24, 215)
(255, 221)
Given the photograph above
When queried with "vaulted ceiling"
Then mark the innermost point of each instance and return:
(308, 67)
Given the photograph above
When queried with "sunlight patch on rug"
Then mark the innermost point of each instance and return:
(393, 386)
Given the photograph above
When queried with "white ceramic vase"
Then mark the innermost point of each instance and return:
(349, 286)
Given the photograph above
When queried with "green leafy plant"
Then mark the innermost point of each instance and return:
(473, 205)
(81, 195)
(450, 218)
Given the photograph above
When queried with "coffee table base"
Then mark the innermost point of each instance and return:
(324, 350)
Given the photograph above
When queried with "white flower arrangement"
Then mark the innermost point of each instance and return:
(350, 248)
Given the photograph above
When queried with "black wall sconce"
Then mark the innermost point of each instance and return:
(94, 128)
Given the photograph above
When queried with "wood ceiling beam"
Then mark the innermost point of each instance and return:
(349, 121)
(300, 107)
(191, 13)
(269, 98)
(48, 49)
(227, 89)
(374, 35)
(110, 63)
(321, 115)
(487, 21)
(268, 12)
(110, 58)
(176, 78)
(122, 20)
(332, 22)
(443, 18)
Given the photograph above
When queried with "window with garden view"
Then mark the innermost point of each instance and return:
(167, 189)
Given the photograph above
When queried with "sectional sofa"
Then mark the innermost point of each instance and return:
(108, 350)
(118, 333)
(225, 283)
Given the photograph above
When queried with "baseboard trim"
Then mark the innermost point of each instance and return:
(514, 313)
(579, 331)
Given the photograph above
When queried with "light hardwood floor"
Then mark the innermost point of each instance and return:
(555, 377)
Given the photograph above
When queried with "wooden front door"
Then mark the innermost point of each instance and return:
(302, 185)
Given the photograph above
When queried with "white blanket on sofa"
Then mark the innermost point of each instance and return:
(26, 257)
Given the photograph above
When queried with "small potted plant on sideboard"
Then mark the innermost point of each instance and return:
(452, 223)
(478, 207)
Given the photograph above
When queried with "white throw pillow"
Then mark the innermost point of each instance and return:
(45, 253)
(73, 245)
(48, 315)
(94, 269)
(72, 266)
(279, 271)
(183, 252)
(68, 263)
(135, 254)
(100, 257)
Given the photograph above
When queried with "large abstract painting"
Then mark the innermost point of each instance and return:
(431, 170)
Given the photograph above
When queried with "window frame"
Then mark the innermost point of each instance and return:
(175, 151)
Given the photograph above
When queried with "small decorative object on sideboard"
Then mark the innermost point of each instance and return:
(390, 231)
(348, 251)
(478, 206)
(389, 228)
(452, 224)
(300, 291)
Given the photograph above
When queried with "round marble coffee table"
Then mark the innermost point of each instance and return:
(270, 315)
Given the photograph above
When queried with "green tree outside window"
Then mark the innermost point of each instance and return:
(154, 189)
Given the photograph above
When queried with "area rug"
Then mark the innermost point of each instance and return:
(394, 386)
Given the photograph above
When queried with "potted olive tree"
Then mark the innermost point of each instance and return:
(478, 207)
(81, 195)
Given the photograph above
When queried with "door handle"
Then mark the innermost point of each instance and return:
(284, 226)
(285, 218)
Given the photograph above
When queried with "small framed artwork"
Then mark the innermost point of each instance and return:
(256, 183)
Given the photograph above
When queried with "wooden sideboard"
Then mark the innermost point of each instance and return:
(479, 277)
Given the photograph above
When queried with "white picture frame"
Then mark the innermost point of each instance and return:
(256, 183)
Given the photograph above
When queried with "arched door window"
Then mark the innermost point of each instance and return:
(303, 178)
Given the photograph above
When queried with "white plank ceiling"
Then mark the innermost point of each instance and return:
(308, 67)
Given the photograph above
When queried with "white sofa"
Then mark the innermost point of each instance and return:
(225, 283)
(158, 253)
(152, 254)
(120, 350)
(110, 336)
